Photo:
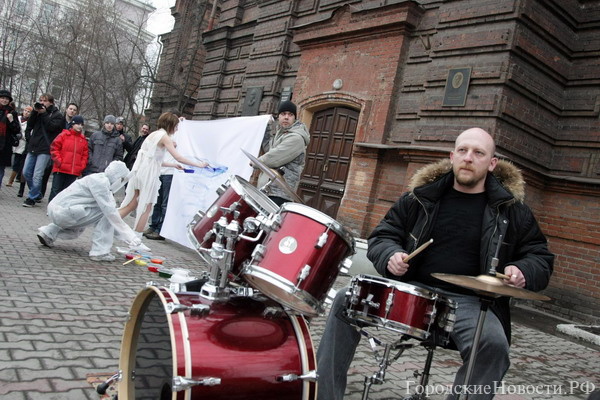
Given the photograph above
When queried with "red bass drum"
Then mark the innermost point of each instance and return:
(182, 346)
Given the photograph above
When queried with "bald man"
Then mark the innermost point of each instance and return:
(465, 204)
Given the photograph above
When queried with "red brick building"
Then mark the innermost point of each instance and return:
(385, 87)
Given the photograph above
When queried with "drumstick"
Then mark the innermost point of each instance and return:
(417, 251)
(502, 276)
(133, 259)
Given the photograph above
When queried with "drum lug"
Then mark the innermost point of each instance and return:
(258, 253)
(310, 376)
(273, 312)
(322, 240)
(195, 309)
(369, 303)
(352, 295)
(345, 265)
(302, 276)
(152, 283)
(180, 383)
(273, 223)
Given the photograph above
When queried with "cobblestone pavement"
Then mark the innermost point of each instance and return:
(62, 318)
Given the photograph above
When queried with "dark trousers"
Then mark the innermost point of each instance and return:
(47, 173)
(60, 182)
(160, 208)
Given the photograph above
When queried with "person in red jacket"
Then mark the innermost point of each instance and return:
(69, 152)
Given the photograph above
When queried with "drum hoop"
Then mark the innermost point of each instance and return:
(304, 356)
(127, 359)
(401, 286)
(252, 195)
(190, 231)
(283, 284)
(321, 218)
(388, 324)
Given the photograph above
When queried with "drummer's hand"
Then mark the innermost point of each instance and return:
(516, 276)
(396, 266)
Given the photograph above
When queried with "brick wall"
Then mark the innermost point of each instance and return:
(535, 86)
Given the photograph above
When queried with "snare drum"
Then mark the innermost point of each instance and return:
(235, 195)
(300, 258)
(400, 307)
(180, 346)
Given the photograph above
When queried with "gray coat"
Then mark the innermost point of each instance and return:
(285, 151)
(104, 147)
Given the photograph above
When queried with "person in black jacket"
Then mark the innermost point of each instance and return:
(467, 204)
(132, 154)
(9, 129)
(44, 124)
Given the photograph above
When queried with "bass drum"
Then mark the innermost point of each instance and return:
(182, 346)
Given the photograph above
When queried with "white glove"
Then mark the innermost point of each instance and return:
(136, 244)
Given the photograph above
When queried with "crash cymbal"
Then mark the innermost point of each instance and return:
(274, 176)
(490, 286)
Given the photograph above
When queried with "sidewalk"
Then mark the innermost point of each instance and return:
(62, 318)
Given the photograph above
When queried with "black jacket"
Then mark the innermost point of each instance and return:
(42, 129)
(408, 223)
(11, 132)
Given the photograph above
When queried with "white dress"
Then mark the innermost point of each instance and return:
(146, 173)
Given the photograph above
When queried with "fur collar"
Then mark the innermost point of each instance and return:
(508, 175)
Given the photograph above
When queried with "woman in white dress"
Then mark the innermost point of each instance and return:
(142, 189)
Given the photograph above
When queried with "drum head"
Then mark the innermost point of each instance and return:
(147, 359)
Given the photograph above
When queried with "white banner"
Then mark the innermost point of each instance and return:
(220, 143)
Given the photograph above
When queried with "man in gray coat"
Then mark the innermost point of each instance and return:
(105, 146)
(285, 152)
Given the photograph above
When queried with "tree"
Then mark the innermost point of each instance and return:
(91, 56)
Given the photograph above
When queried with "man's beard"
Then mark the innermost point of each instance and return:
(468, 181)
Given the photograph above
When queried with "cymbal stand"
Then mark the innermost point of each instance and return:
(486, 302)
(379, 377)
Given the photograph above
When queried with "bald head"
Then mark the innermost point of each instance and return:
(477, 135)
(472, 158)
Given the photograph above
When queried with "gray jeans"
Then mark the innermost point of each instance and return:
(340, 340)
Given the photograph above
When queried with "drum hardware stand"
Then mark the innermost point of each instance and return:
(486, 302)
(379, 377)
(103, 387)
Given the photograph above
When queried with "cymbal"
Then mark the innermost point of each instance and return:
(274, 176)
(490, 286)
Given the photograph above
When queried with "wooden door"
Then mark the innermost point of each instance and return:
(328, 157)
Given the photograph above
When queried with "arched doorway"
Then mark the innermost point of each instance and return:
(328, 157)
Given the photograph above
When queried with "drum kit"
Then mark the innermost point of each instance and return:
(242, 330)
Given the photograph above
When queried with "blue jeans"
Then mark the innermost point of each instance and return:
(340, 340)
(160, 208)
(35, 165)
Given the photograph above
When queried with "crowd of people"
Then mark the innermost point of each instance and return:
(43, 142)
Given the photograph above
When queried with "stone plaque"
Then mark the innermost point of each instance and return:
(286, 94)
(252, 102)
(457, 85)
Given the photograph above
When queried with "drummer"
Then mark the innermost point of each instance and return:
(464, 204)
(284, 152)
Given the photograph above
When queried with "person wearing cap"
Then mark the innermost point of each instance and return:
(9, 129)
(69, 153)
(90, 201)
(104, 146)
(284, 151)
(124, 136)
